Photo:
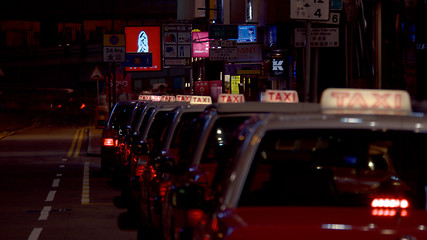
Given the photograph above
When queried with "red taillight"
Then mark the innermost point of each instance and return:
(82, 106)
(389, 203)
(163, 188)
(139, 170)
(116, 143)
(389, 207)
(194, 217)
(108, 142)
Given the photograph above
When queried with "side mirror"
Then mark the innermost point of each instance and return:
(187, 197)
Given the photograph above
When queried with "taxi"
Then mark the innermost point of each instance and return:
(209, 135)
(353, 171)
(113, 127)
(148, 178)
(135, 125)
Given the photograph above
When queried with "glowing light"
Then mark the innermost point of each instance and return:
(108, 142)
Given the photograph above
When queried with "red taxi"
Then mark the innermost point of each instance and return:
(115, 124)
(354, 171)
(148, 177)
(209, 135)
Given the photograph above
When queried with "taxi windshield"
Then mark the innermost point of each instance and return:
(337, 168)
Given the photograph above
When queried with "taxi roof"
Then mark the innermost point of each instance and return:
(265, 107)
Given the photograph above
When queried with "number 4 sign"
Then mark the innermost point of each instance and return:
(310, 9)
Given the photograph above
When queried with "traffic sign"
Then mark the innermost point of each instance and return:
(319, 37)
(96, 74)
(310, 9)
(114, 40)
(114, 54)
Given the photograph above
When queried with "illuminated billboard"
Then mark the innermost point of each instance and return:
(246, 33)
(144, 39)
(200, 45)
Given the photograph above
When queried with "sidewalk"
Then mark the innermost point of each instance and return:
(94, 141)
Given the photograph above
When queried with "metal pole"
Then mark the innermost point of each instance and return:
(307, 60)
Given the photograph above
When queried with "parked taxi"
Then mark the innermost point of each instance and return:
(148, 178)
(354, 171)
(209, 135)
(114, 126)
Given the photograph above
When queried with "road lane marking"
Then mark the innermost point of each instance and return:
(59, 175)
(79, 144)
(73, 144)
(55, 182)
(34, 235)
(50, 196)
(45, 212)
(61, 166)
(85, 187)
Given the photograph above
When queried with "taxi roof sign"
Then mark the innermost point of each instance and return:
(154, 98)
(231, 98)
(281, 96)
(183, 98)
(201, 100)
(167, 98)
(385, 101)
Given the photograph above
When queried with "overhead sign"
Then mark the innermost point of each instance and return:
(96, 74)
(223, 31)
(320, 37)
(310, 9)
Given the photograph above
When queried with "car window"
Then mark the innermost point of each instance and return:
(121, 115)
(337, 168)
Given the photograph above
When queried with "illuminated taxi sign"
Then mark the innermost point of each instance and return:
(183, 98)
(144, 97)
(282, 96)
(231, 98)
(396, 101)
(201, 100)
(166, 98)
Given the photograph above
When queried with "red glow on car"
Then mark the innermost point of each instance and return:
(194, 216)
(108, 142)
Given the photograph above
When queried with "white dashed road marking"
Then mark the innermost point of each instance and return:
(45, 212)
(50, 196)
(35, 234)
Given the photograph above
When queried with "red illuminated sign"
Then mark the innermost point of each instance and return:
(144, 39)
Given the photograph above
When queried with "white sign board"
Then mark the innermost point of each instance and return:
(310, 9)
(114, 54)
(319, 37)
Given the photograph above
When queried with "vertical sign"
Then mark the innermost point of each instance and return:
(114, 47)
(177, 44)
(310, 9)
